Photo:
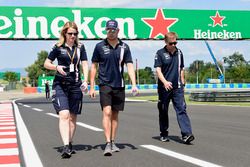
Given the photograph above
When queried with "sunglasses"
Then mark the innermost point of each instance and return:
(172, 43)
(111, 30)
(71, 33)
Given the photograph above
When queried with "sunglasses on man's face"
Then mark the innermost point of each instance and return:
(111, 30)
(172, 43)
(71, 33)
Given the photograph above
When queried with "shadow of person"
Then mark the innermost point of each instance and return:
(119, 145)
(76, 147)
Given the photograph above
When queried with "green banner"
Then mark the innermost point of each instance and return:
(46, 23)
(43, 79)
(17, 73)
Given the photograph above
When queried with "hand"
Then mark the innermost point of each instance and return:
(135, 91)
(168, 85)
(84, 87)
(60, 68)
(92, 93)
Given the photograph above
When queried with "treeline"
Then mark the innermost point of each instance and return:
(234, 67)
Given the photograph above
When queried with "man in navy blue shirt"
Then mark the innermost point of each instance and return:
(169, 64)
(110, 55)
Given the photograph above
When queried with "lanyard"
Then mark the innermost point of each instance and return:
(72, 58)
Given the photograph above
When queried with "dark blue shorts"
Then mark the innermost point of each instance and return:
(67, 96)
(114, 97)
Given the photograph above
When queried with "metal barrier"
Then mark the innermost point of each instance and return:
(221, 96)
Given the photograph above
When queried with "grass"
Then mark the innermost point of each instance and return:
(155, 99)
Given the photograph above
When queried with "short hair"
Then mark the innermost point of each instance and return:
(167, 35)
(67, 25)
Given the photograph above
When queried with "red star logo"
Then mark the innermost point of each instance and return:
(217, 19)
(159, 24)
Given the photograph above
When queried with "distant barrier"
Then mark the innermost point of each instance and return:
(220, 96)
(188, 86)
(30, 90)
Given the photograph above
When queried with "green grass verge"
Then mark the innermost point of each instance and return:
(155, 99)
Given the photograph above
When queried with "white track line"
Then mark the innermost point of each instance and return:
(9, 151)
(8, 140)
(180, 156)
(89, 126)
(30, 154)
(10, 165)
(80, 124)
(7, 127)
(37, 109)
(7, 133)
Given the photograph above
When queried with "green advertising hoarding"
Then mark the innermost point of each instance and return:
(43, 79)
(46, 22)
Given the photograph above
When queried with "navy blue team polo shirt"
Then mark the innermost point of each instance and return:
(111, 62)
(60, 53)
(170, 64)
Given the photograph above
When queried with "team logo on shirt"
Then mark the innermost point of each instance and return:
(63, 51)
(106, 50)
(166, 55)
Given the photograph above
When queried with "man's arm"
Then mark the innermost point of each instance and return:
(92, 79)
(85, 69)
(167, 84)
(131, 73)
(183, 77)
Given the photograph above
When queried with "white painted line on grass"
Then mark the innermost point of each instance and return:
(37, 109)
(9, 151)
(30, 154)
(89, 126)
(180, 156)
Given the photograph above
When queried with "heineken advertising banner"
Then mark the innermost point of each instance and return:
(46, 23)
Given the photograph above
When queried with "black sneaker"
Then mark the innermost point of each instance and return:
(164, 139)
(71, 148)
(66, 152)
(187, 139)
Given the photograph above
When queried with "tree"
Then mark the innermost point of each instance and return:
(235, 60)
(37, 69)
(238, 68)
(146, 76)
(10, 76)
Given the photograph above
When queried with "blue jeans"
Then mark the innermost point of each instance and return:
(177, 96)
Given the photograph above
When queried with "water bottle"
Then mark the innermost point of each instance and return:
(84, 87)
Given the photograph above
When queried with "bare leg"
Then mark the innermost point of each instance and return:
(64, 121)
(73, 118)
(106, 122)
(114, 124)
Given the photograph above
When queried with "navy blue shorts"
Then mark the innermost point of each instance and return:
(114, 97)
(67, 96)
